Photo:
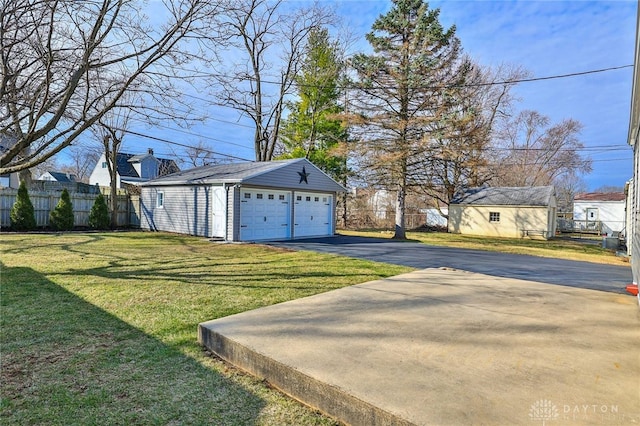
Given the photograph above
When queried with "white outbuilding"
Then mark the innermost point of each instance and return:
(603, 212)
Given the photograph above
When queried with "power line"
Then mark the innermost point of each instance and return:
(179, 130)
(179, 144)
(247, 77)
(551, 77)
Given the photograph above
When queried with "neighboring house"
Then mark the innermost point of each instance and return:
(57, 177)
(9, 180)
(601, 211)
(633, 191)
(275, 200)
(132, 169)
(505, 212)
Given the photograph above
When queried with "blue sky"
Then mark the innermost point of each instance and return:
(545, 37)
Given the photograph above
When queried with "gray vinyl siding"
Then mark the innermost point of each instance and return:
(186, 210)
(288, 178)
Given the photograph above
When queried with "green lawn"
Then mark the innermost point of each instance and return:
(101, 328)
(558, 248)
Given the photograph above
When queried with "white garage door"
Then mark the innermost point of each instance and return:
(264, 215)
(313, 214)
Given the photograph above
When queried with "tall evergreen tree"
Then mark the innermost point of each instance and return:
(22, 214)
(404, 89)
(313, 129)
(61, 218)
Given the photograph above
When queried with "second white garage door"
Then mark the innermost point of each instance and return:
(264, 215)
(313, 214)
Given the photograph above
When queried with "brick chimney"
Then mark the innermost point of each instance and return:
(150, 151)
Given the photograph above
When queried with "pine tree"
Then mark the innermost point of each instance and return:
(404, 89)
(61, 218)
(313, 130)
(99, 215)
(22, 214)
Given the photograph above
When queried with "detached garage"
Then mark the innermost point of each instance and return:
(276, 200)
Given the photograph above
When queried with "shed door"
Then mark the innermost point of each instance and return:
(264, 215)
(313, 214)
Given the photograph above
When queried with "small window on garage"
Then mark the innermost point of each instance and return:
(494, 216)
(271, 196)
(308, 198)
(247, 195)
(281, 197)
(316, 199)
(259, 196)
(160, 200)
(324, 199)
(299, 198)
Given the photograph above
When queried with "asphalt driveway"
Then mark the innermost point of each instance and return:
(552, 271)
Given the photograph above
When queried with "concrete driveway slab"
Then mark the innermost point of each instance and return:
(553, 271)
(446, 347)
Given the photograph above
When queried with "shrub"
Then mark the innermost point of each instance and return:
(61, 218)
(22, 214)
(99, 215)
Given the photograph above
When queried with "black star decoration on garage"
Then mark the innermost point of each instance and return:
(303, 176)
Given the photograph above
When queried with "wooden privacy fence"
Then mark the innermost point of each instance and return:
(44, 202)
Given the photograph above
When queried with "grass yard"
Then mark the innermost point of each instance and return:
(554, 248)
(101, 328)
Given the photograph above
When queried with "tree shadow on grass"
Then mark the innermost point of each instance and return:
(66, 361)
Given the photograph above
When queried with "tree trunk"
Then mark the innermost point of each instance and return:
(400, 233)
(113, 201)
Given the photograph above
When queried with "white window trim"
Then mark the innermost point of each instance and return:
(160, 199)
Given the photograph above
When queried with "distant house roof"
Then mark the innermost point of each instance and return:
(125, 167)
(506, 196)
(600, 196)
(62, 177)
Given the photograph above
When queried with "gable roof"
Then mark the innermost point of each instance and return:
(506, 196)
(124, 164)
(62, 177)
(259, 173)
(600, 196)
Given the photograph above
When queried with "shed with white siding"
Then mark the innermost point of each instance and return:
(606, 209)
(253, 201)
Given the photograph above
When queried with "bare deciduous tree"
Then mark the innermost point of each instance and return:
(272, 43)
(54, 52)
(196, 155)
(110, 131)
(531, 151)
(458, 145)
(82, 160)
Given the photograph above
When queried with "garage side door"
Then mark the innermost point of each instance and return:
(313, 214)
(264, 215)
